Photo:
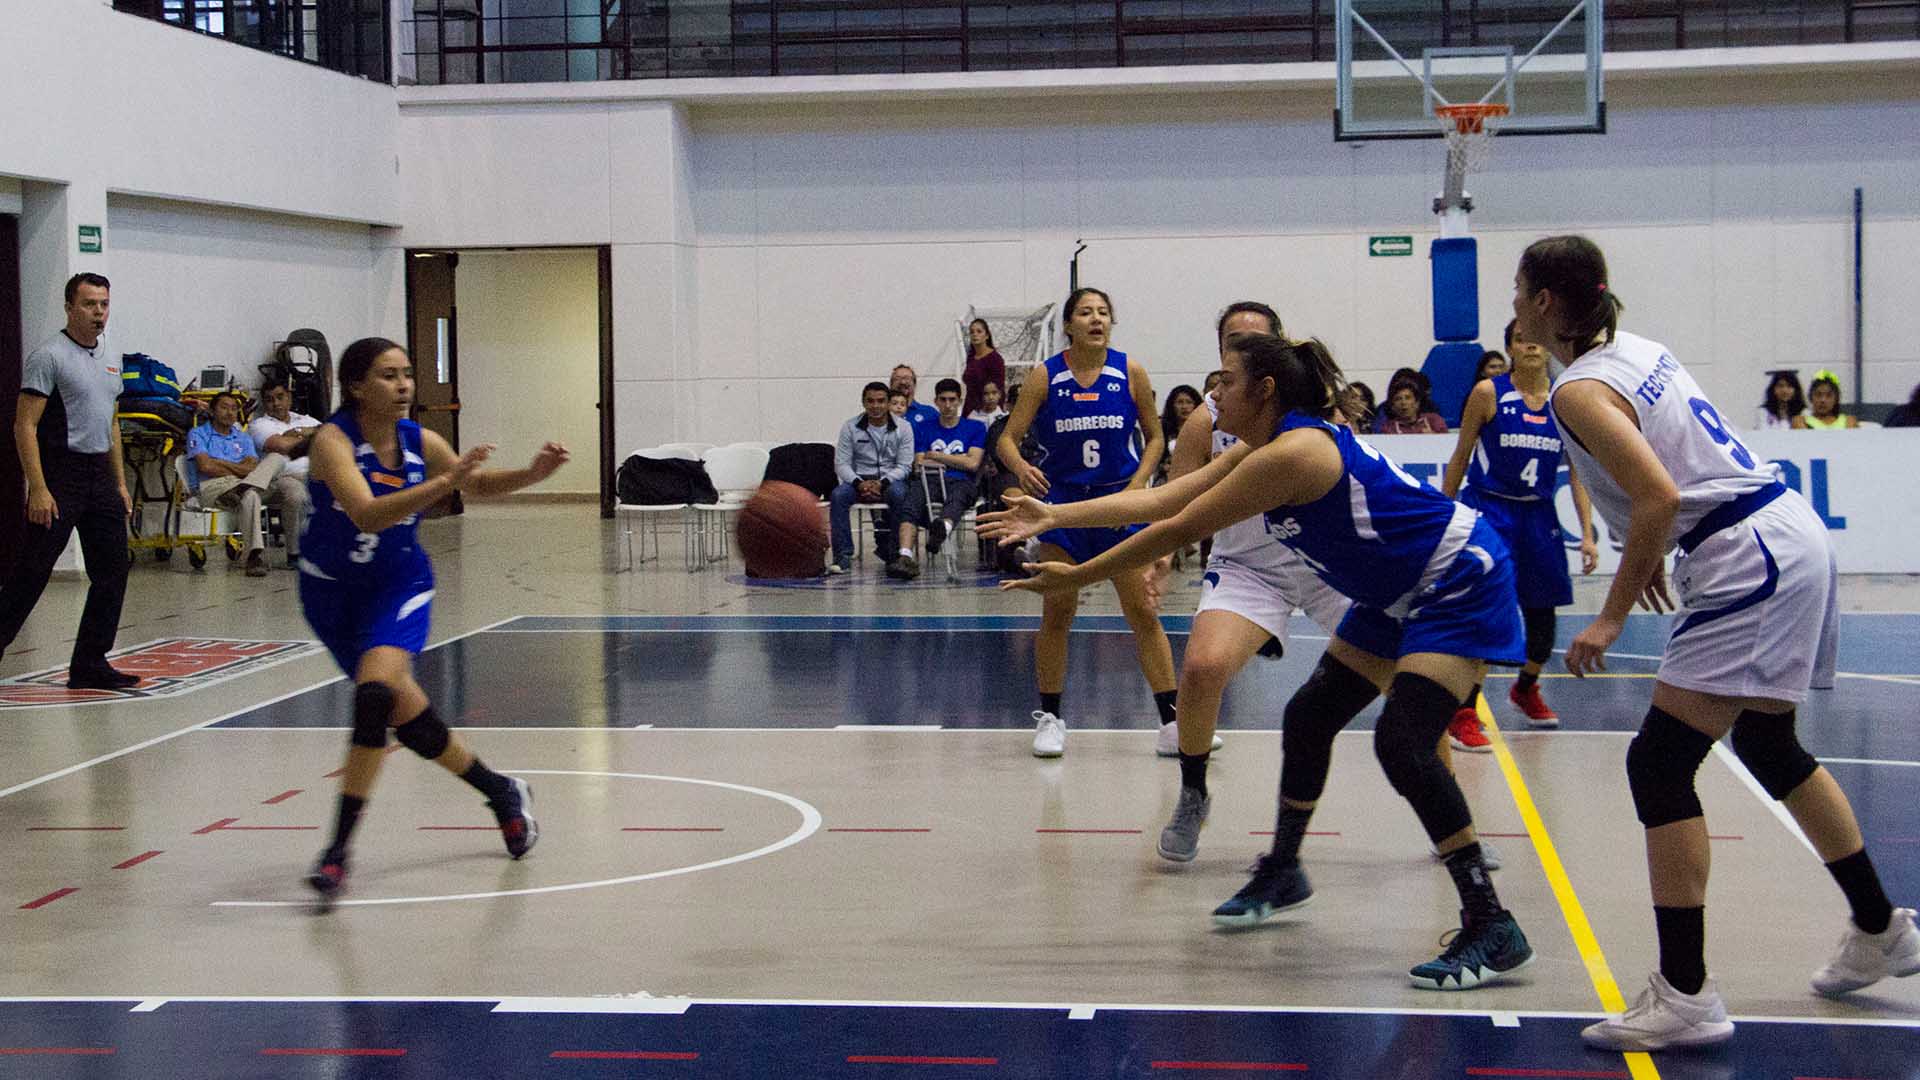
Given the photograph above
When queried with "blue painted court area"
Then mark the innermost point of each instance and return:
(106, 1040)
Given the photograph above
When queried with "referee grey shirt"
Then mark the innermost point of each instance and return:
(88, 382)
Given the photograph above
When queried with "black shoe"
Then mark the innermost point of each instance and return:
(518, 826)
(1479, 954)
(103, 677)
(1276, 886)
(936, 535)
(903, 568)
(329, 874)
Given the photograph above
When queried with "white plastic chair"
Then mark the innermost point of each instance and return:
(736, 472)
(650, 514)
(933, 486)
(698, 450)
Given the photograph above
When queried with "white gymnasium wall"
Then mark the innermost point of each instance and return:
(196, 285)
(530, 357)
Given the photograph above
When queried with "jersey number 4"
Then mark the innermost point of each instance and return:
(1531, 474)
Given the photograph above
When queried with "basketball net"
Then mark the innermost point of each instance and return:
(1469, 131)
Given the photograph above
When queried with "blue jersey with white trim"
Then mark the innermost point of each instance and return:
(334, 547)
(1378, 535)
(1518, 453)
(1086, 432)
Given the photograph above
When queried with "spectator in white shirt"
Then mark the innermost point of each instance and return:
(280, 430)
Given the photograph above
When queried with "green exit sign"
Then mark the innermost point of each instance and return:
(1389, 245)
(90, 240)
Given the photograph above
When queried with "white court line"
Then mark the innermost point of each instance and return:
(203, 725)
(888, 727)
(1778, 809)
(1868, 761)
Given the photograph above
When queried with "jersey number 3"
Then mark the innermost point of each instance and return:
(363, 549)
(1709, 418)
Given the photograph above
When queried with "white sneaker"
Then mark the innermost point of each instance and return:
(1169, 744)
(1865, 959)
(1049, 734)
(1489, 855)
(1661, 1017)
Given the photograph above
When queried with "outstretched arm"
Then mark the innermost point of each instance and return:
(1025, 518)
(491, 483)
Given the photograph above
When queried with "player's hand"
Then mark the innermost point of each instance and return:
(1032, 480)
(1654, 598)
(1588, 652)
(548, 461)
(41, 509)
(1023, 519)
(1156, 578)
(469, 464)
(1047, 577)
(1589, 556)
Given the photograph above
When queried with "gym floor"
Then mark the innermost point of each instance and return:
(798, 831)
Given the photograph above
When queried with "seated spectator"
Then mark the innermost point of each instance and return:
(280, 430)
(871, 460)
(908, 383)
(1358, 407)
(1783, 403)
(1409, 410)
(1823, 405)
(995, 480)
(1211, 382)
(956, 448)
(1180, 403)
(897, 402)
(223, 470)
(991, 405)
(985, 367)
(1907, 415)
(1492, 362)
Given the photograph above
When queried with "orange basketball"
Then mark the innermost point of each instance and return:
(782, 532)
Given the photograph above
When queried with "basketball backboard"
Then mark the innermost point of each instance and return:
(1397, 59)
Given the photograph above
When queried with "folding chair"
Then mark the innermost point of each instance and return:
(933, 481)
(736, 472)
(650, 514)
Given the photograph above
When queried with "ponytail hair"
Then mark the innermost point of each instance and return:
(1305, 378)
(1572, 268)
(356, 362)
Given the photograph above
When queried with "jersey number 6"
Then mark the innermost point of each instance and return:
(1090, 453)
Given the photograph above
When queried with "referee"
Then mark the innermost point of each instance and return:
(69, 445)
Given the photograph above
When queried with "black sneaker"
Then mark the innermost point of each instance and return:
(936, 535)
(904, 568)
(515, 814)
(329, 874)
(1478, 954)
(103, 677)
(1276, 887)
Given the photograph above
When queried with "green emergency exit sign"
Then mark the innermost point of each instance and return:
(1389, 245)
(90, 240)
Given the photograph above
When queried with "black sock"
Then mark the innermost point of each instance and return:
(495, 787)
(1872, 911)
(1525, 681)
(1683, 946)
(1475, 886)
(1289, 828)
(1050, 703)
(1193, 770)
(1473, 698)
(344, 821)
(1163, 700)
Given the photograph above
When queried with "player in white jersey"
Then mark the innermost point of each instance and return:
(1755, 580)
(1249, 591)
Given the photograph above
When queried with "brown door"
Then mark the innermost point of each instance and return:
(433, 340)
(13, 495)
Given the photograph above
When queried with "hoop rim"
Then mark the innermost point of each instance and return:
(1469, 118)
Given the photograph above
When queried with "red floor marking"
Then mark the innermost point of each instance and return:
(458, 828)
(1710, 836)
(1089, 832)
(47, 899)
(672, 828)
(215, 827)
(1235, 1066)
(880, 830)
(624, 1055)
(1596, 1074)
(135, 861)
(336, 774)
(1502, 835)
(1269, 832)
(329, 1051)
(901, 1059)
(282, 797)
(15, 1051)
(270, 828)
(76, 828)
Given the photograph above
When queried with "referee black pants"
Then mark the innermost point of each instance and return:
(88, 496)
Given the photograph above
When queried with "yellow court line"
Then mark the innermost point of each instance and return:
(1639, 1065)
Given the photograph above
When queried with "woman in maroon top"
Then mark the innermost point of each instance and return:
(984, 365)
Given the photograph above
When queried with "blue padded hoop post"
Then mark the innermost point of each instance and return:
(1456, 289)
(1450, 367)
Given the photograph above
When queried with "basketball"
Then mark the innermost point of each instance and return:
(782, 532)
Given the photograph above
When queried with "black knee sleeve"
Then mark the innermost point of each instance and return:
(372, 708)
(1771, 752)
(1539, 622)
(1661, 762)
(425, 735)
(1330, 698)
(1406, 742)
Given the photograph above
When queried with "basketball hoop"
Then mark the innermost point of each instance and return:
(1469, 131)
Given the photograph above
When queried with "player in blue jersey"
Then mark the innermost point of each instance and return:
(366, 584)
(1433, 603)
(1083, 406)
(1509, 454)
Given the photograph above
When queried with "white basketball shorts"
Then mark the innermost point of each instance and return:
(1266, 591)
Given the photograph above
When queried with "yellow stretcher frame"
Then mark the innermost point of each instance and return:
(151, 440)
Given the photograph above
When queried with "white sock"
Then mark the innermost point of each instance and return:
(908, 552)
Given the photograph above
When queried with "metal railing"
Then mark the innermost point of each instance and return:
(349, 36)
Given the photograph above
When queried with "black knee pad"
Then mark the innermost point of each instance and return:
(1329, 700)
(1771, 752)
(1661, 761)
(1406, 742)
(425, 735)
(1539, 622)
(372, 708)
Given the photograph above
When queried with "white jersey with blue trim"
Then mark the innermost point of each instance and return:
(1086, 432)
(332, 546)
(1378, 535)
(1708, 463)
(1517, 455)
(1245, 541)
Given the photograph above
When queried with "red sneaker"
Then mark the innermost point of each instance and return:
(1467, 734)
(1529, 702)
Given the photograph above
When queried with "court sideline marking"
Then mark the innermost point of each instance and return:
(1639, 1065)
